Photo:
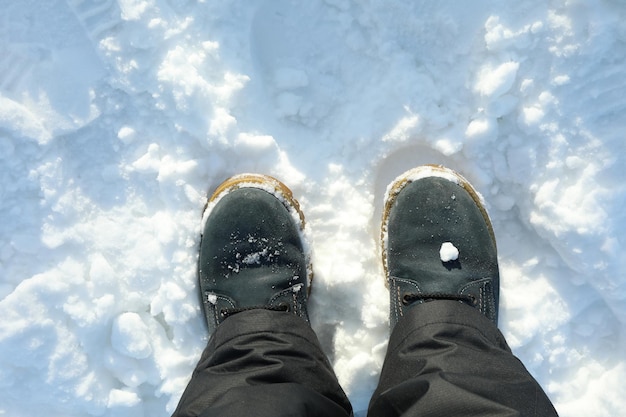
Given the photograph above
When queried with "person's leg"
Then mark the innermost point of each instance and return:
(446, 359)
(446, 355)
(263, 363)
(263, 358)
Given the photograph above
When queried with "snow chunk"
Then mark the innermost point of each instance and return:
(122, 398)
(150, 161)
(531, 116)
(482, 128)
(133, 9)
(561, 80)
(21, 121)
(126, 134)
(494, 82)
(448, 252)
(406, 128)
(448, 146)
(212, 298)
(130, 337)
(250, 144)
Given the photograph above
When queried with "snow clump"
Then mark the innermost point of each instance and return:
(448, 252)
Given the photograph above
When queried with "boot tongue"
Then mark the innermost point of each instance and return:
(261, 269)
(251, 286)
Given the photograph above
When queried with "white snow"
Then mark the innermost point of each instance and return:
(118, 117)
(212, 298)
(448, 252)
(130, 336)
(494, 82)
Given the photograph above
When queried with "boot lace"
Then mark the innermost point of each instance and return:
(410, 298)
(227, 312)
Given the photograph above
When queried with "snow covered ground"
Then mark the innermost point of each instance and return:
(117, 118)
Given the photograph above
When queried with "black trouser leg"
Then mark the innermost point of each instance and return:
(446, 359)
(263, 363)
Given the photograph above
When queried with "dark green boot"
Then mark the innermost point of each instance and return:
(438, 243)
(252, 251)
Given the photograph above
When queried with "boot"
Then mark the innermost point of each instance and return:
(438, 243)
(252, 251)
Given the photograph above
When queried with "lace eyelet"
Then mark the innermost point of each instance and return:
(284, 306)
(406, 299)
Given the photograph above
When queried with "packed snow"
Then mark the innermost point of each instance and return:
(448, 252)
(118, 117)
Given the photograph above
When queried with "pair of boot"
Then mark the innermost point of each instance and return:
(436, 237)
